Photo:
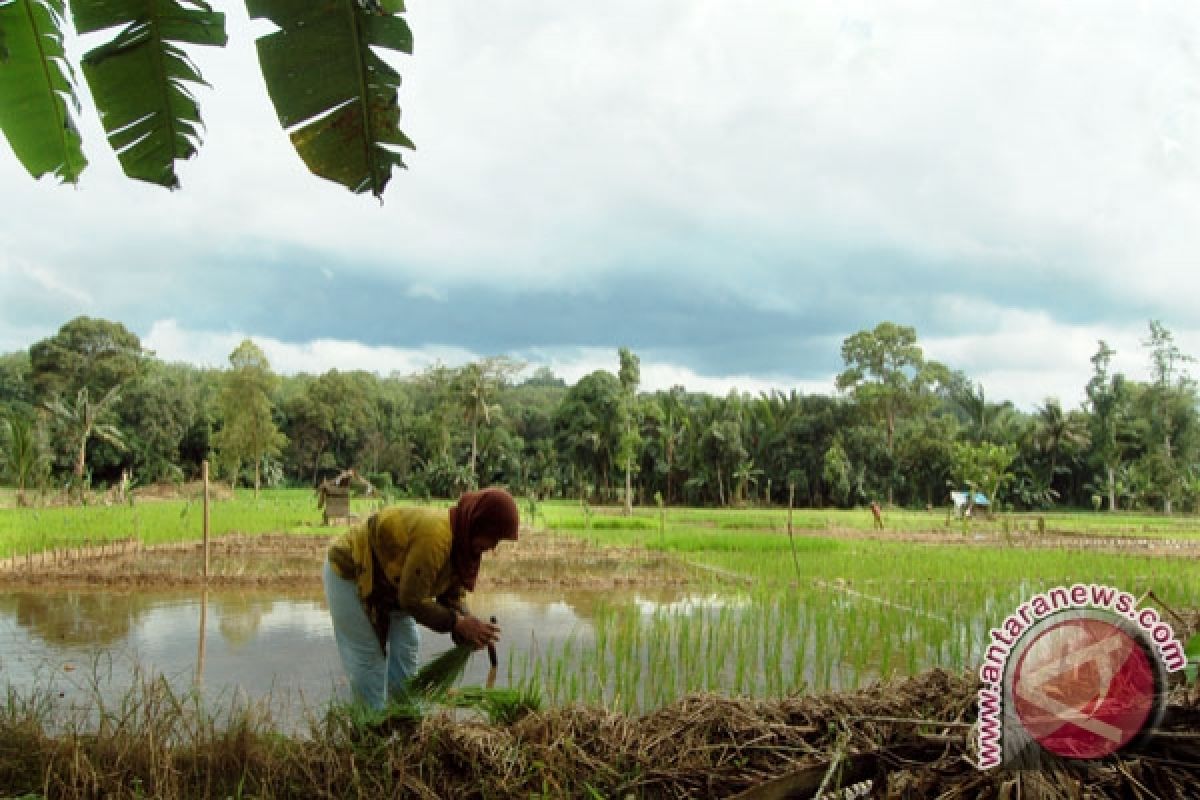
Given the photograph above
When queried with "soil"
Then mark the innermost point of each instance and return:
(538, 560)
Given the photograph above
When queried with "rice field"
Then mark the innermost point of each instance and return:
(771, 615)
(154, 521)
(814, 612)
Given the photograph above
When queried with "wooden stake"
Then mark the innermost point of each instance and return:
(204, 474)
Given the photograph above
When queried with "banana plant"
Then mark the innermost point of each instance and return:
(38, 105)
(333, 95)
(139, 79)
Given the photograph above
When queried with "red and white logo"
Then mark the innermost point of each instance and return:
(1083, 687)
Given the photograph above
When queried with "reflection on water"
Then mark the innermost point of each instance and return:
(255, 644)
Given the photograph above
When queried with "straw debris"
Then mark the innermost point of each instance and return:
(912, 738)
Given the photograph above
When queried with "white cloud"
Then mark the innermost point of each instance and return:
(1027, 357)
(571, 364)
(171, 343)
(45, 278)
(419, 290)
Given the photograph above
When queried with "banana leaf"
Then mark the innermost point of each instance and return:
(37, 90)
(139, 79)
(332, 93)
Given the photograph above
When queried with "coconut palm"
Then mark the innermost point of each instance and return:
(477, 385)
(1055, 434)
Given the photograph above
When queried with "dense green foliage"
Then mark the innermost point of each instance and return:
(904, 428)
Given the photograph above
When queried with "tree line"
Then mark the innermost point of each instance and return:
(89, 406)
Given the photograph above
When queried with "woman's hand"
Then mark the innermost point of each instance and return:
(474, 632)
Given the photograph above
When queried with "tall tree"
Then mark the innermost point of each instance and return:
(478, 386)
(1056, 434)
(1108, 396)
(157, 412)
(629, 376)
(676, 422)
(249, 432)
(887, 373)
(1172, 401)
(85, 353)
(586, 426)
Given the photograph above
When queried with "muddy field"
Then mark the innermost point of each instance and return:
(538, 560)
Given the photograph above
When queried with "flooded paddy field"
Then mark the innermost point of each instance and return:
(699, 660)
(622, 627)
(271, 645)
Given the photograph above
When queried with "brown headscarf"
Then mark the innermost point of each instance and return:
(491, 512)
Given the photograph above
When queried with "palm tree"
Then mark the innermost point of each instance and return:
(477, 385)
(82, 421)
(1055, 432)
(672, 431)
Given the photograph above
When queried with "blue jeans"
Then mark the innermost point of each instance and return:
(372, 674)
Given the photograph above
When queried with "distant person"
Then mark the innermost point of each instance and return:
(877, 516)
(405, 566)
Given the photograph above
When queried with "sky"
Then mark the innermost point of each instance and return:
(730, 189)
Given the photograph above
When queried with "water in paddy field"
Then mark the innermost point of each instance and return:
(633, 648)
(272, 646)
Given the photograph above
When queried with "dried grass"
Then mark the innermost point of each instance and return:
(911, 739)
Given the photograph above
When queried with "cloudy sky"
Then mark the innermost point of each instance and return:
(728, 188)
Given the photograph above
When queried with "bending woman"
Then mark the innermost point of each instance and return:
(405, 566)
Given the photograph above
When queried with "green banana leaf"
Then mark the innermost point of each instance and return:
(139, 79)
(334, 95)
(37, 90)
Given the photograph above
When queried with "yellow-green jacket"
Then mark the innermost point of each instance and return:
(400, 559)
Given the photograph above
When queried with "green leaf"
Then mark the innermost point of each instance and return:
(334, 95)
(435, 678)
(1192, 651)
(139, 79)
(37, 90)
